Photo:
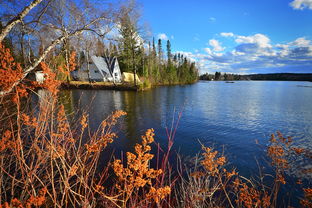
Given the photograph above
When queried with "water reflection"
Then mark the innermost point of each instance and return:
(230, 116)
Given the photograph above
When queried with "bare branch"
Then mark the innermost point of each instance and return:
(45, 53)
(5, 31)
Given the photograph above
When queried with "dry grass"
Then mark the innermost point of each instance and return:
(92, 83)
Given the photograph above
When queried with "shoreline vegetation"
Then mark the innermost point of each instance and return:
(49, 160)
(98, 86)
(114, 86)
(148, 60)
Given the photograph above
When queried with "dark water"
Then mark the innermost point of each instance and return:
(228, 116)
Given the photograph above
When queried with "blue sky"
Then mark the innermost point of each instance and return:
(237, 36)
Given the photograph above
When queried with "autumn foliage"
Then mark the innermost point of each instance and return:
(137, 173)
(10, 72)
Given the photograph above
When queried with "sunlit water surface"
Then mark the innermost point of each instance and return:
(236, 118)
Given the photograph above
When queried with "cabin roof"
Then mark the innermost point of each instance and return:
(106, 64)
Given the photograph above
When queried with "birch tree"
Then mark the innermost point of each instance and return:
(55, 22)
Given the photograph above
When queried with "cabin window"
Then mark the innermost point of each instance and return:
(116, 74)
(96, 71)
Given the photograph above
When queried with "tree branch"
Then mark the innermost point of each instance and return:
(5, 31)
(45, 53)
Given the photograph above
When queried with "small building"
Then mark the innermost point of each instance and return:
(99, 69)
(40, 76)
(129, 77)
(36, 76)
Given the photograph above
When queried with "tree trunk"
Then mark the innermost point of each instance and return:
(134, 68)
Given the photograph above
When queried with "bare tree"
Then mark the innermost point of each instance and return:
(57, 21)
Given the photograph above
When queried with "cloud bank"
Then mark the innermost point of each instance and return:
(255, 54)
(301, 4)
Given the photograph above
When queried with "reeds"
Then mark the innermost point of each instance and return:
(43, 159)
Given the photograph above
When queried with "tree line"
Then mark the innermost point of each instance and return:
(218, 76)
(151, 64)
(146, 58)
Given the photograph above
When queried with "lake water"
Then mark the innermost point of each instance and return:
(235, 117)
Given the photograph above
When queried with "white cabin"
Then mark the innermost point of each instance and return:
(40, 77)
(99, 69)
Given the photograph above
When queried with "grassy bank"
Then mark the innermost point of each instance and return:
(142, 86)
(98, 86)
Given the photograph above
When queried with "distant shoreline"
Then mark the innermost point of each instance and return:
(261, 77)
(233, 81)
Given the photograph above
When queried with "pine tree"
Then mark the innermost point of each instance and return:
(160, 52)
(129, 45)
(154, 49)
(169, 55)
(155, 64)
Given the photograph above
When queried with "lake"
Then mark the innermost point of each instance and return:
(237, 118)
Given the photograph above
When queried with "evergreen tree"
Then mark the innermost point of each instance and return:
(154, 49)
(175, 58)
(217, 75)
(169, 55)
(155, 64)
(129, 45)
(160, 52)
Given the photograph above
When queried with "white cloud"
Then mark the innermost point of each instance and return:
(237, 53)
(259, 39)
(283, 49)
(301, 4)
(172, 37)
(208, 50)
(224, 34)
(162, 36)
(216, 45)
(301, 42)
